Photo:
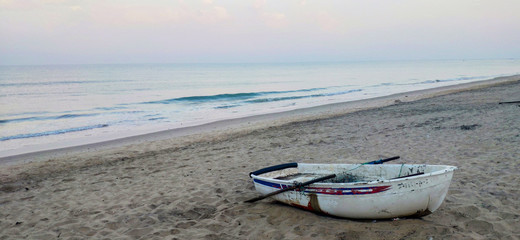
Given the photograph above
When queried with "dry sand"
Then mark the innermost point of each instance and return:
(193, 186)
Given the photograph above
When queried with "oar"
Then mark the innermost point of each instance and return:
(512, 102)
(380, 161)
(411, 175)
(298, 185)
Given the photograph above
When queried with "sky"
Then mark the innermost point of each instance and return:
(225, 31)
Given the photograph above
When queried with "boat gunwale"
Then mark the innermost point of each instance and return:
(446, 169)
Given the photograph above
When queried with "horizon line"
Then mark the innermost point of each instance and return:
(257, 63)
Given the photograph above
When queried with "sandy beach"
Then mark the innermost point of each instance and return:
(191, 184)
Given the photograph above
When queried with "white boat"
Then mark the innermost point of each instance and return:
(358, 191)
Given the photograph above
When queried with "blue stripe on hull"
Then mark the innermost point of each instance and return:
(330, 191)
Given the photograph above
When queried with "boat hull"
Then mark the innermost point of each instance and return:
(411, 196)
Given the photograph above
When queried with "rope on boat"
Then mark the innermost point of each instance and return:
(400, 170)
(346, 177)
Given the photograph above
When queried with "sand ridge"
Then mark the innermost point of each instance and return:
(194, 187)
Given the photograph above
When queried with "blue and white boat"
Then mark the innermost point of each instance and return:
(359, 191)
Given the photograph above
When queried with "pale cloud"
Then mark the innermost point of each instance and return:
(54, 1)
(327, 22)
(29, 4)
(258, 4)
(50, 14)
(269, 13)
(275, 19)
(75, 8)
(222, 13)
(212, 15)
(17, 5)
(4, 3)
(132, 15)
(128, 15)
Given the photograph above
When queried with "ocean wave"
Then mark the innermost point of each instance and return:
(110, 108)
(228, 106)
(276, 99)
(227, 96)
(286, 98)
(55, 132)
(198, 99)
(472, 78)
(23, 114)
(13, 120)
(24, 84)
(65, 116)
(454, 79)
(157, 118)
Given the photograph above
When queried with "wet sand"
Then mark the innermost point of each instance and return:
(192, 185)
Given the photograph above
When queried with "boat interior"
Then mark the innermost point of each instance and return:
(353, 173)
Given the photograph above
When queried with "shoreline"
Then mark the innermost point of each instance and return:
(229, 126)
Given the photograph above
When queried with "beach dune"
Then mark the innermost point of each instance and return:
(192, 186)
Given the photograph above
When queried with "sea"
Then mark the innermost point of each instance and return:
(59, 104)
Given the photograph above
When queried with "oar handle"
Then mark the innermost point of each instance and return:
(380, 161)
(295, 186)
(316, 180)
(509, 102)
(274, 168)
